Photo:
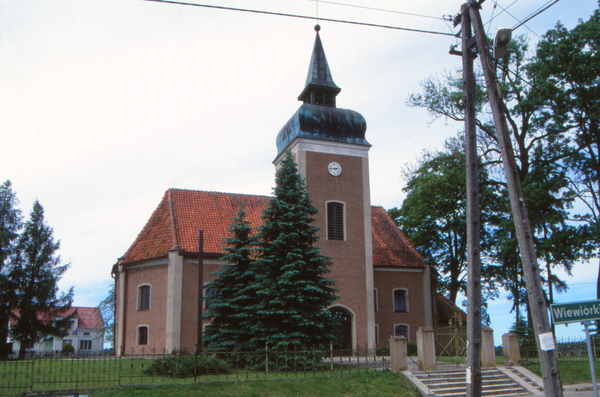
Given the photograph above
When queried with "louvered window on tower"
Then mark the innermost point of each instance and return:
(323, 98)
(335, 221)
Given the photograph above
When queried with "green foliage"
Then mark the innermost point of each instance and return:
(291, 288)
(230, 295)
(67, 349)
(107, 310)
(542, 145)
(183, 366)
(10, 224)
(35, 272)
(433, 214)
(411, 349)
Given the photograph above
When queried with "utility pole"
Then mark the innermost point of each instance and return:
(474, 381)
(537, 302)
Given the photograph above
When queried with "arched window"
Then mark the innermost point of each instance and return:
(144, 297)
(344, 332)
(142, 335)
(335, 221)
(400, 300)
(401, 329)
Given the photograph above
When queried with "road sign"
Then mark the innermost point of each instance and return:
(574, 312)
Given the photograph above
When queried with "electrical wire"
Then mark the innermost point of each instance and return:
(377, 9)
(516, 19)
(299, 16)
(534, 14)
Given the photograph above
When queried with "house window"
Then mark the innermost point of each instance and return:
(401, 330)
(86, 334)
(144, 297)
(67, 342)
(376, 334)
(375, 300)
(335, 221)
(400, 301)
(143, 335)
(85, 345)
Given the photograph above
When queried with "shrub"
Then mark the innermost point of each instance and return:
(182, 366)
(383, 351)
(67, 349)
(411, 349)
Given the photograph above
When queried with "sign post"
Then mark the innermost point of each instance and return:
(585, 311)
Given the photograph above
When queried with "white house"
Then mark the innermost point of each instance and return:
(86, 334)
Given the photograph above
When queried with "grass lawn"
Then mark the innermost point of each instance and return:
(372, 383)
(570, 371)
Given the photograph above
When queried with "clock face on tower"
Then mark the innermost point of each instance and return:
(334, 168)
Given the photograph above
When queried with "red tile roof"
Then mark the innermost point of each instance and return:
(88, 317)
(182, 213)
(390, 245)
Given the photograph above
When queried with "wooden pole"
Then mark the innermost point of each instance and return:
(474, 381)
(200, 285)
(535, 295)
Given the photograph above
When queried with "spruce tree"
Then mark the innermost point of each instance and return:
(292, 290)
(35, 273)
(10, 225)
(228, 296)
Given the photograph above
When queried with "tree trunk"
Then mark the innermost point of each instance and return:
(22, 350)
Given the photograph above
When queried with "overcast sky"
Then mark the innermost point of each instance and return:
(105, 104)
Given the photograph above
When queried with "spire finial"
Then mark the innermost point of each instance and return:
(317, 27)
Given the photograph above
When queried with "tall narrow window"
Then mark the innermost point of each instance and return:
(85, 345)
(144, 297)
(335, 221)
(375, 300)
(142, 335)
(400, 301)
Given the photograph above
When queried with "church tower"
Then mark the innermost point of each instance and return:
(329, 146)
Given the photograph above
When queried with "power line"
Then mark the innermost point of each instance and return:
(299, 16)
(377, 9)
(517, 19)
(536, 13)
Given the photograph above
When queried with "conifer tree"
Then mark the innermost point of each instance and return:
(35, 273)
(10, 224)
(292, 290)
(228, 296)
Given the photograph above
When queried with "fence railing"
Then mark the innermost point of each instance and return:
(70, 373)
(567, 349)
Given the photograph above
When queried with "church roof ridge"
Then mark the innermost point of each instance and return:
(213, 212)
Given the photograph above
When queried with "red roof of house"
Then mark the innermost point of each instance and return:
(182, 213)
(88, 317)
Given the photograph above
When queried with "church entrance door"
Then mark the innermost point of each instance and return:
(344, 332)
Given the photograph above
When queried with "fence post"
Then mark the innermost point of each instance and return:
(426, 348)
(196, 363)
(331, 357)
(32, 370)
(120, 362)
(398, 353)
(488, 351)
(266, 361)
(510, 346)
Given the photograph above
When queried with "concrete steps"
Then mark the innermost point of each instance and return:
(525, 378)
(452, 383)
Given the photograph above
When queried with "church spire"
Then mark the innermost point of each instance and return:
(319, 88)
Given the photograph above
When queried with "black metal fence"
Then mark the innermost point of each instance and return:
(51, 373)
(567, 349)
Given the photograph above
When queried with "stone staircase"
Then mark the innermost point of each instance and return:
(451, 383)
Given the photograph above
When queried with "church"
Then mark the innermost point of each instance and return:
(385, 286)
